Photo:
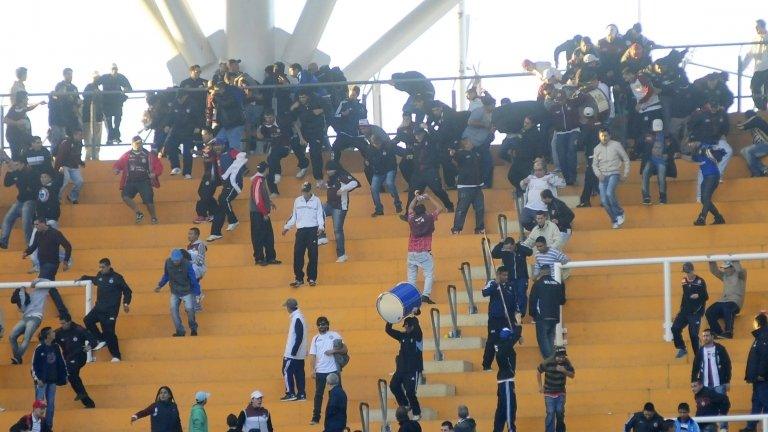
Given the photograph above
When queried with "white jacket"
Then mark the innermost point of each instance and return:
(758, 52)
(296, 343)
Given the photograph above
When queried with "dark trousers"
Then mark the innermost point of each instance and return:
(73, 373)
(206, 205)
(275, 156)
(721, 310)
(293, 376)
(566, 144)
(759, 401)
(590, 183)
(545, 336)
(344, 142)
(467, 196)
(108, 320)
(708, 187)
(316, 155)
(262, 237)
(423, 178)
(319, 391)
(694, 323)
(759, 87)
(495, 324)
(224, 208)
(113, 115)
(403, 386)
(486, 163)
(306, 241)
(449, 169)
(506, 407)
(48, 271)
(300, 152)
(172, 150)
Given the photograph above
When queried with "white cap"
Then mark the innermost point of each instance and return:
(589, 112)
(363, 122)
(589, 58)
(202, 396)
(114, 65)
(256, 395)
(549, 73)
(657, 125)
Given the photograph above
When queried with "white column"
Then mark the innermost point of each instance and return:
(463, 42)
(154, 12)
(185, 32)
(376, 102)
(250, 25)
(667, 301)
(394, 41)
(308, 31)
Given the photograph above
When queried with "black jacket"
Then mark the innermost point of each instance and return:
(757, 359)
(495, 304)
(638, 423)
(39, 160)
(468, 164)
(410, 358)
(514, 260)
(25, 424)
(711, 403)
(336, 410)
(26, 182)
(47, 204)
(722, 360)
(111, 288)
(381, 160)
(689, 306)
(409, 426)
(72, 341)
(164, 416)
(425, 154)
(184, 118)
(47, 244)
(465, 425)
(547, 295)
(706, 126)
(506, 357)
(559, 210)
(447, 129)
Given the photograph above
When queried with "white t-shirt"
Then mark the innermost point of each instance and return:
(320, 344)
(710, 361)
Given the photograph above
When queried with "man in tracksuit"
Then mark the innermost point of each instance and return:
(514, 259)
(502, 309)
(75, 341)
(231, 167)
(711, 367)
(426, 161)
(345, 122)
(295, 353)
(184, 120)
(206, 205)
(691, 310)
(506, 359)
(311, 129)
(470, 186)
(262, 237)
(112, 292)
(409, 364)
(381, 162)
(547, 295)
(309, 218)
(184, 288)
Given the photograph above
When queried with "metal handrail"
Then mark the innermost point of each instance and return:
(365, 417)
(466, 274)
(453, 308)
(434, 314)
(503, 228)
(490, 271)
(383, 392)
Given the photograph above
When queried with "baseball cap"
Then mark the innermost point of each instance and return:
(291, 302)
(363, 122)
(306, 187)
(176, 255)
(727, 264)
(39, 404)
(687, 267)
(256, 395)
(202, 396)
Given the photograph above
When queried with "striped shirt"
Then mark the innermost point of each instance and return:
(550, 257)
(554, 380)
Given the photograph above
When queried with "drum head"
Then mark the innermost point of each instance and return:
(390, 308)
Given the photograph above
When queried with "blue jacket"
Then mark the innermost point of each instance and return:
(48, 365)
(336, 410)
(348, 124)
(194, 284)
(515, 260)
(496, 306)
(691, 426)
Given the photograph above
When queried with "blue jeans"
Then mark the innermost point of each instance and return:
(75, 176)
(661, 176)
(233, 136)
(388, 180)
(521, 289)
(189, 306)
(26, 211)
(26, 327)
(566, 144)
(608, 196)
(555, 420)
(752, 155)
(545, 336)
(338, 216)
(47, 392)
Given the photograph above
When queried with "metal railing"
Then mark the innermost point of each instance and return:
(453, 307)
(365, 417)
(383, 391)
(466, 275)
(666, 263)
(490, 270)
(503, 228)
(434, 315)
(762, 418)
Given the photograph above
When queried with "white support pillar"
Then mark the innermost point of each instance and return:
(667, 301)
(185, 32)
(153, 10)
(308, 31)
(376, 102)
(250, 35)
(394, 41)
(463, 43)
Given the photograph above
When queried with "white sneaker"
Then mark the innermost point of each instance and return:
(274, 195)
(232, 226)
(302, 172)
(115, 360)
(620, 219)
(278, 177)
(213, 237)
(615, 225)
(99, 345)
(416, 418)
(188, 176)
(341, 259)
(176, 171)
(322, 241)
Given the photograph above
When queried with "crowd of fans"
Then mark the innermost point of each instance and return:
(613, 102)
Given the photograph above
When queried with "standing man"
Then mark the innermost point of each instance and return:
(113, 103)
(340, 184)
(711, 367)
(69, 161)
(311, 129)
(196, 250)
(184, 288)
(323, 363)
(345, 122)
(27, 181)
(206, 205)
(559, 214)
(757, 369)
(48, 371)
(75, 342)
(759, 52)
(607, 160)
(295, 353)
(514, 259)
(231, 168)
(93, 118)
(198, 419)
(734, 279)
(380, 160)
(112, 292)
(47, 242)
(422, 225)
(409, 364)
(691, 310)
(309, 219)
(506, 359)
(260, 204)
(480, 132)
(547, 295)
(556, 371)
(139, 170)
(502, 309)
(470, 187)
(336, 410)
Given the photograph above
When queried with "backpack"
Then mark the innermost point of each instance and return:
(422, 226)
(341, 359)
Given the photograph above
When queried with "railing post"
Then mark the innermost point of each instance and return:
(739, 74)
(365, 417)
(503, 229)
(382, 387)
(667, 301)
(486, 261)
(466, 274)
(88, 302)
(519, 204)
(765, 424)
(434, 314)
(453, 307)
(559, 328)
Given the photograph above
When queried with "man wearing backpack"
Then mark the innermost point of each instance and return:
(422, 225)
(322, 352)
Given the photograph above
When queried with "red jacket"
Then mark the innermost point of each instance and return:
(156, 167)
